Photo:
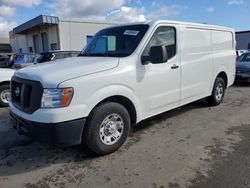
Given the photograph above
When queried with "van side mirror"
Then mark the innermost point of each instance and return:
(158, 54)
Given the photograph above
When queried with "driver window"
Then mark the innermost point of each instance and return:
(163, 36)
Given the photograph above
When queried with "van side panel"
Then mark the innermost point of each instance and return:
(197, 63)
(224, 56)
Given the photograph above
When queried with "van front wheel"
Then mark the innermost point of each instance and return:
(107, 128)
(218, 92)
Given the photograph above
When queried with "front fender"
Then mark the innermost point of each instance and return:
(114, 90)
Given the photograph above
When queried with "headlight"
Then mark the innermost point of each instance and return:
(57, 98)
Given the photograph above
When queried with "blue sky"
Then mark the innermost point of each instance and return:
(233, 13)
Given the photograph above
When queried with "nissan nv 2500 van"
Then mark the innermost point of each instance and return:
(126, 74)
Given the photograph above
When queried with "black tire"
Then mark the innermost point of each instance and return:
(3, 88)
(214, 100)
(92, 132)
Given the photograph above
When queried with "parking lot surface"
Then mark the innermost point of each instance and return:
(192, 146)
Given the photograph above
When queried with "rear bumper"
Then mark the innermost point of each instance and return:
(66, 133)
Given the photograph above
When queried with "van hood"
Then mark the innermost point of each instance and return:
(52, 73)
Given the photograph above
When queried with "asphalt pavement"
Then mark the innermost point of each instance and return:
(195, 146)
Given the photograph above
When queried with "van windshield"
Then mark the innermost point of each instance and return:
(44, 57)
(245, 57)
(116, 42)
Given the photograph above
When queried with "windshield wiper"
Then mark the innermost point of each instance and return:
(82, 55)
(98, 54)
(93, 54)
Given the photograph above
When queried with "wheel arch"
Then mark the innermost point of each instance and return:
(124, 101)
(224, 76)
(4, 83)
(121, 94)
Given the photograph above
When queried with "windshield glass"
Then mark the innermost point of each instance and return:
(19, 57)
(44, 57)
(116, 42)
(245, 57)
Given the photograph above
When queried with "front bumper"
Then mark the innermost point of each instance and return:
(242, 77)
(66, 133)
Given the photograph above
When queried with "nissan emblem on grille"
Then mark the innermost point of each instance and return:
(17, 91)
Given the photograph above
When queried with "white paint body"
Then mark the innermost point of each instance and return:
(6, 74)
(203, 51)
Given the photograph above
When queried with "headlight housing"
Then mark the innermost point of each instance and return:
(57, 98)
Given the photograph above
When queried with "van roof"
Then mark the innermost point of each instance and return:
(191, 24)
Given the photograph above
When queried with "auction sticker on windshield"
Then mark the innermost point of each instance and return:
(131, 32)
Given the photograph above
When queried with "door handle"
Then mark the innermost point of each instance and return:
(174, 66)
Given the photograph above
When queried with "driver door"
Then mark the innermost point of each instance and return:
(160, 83)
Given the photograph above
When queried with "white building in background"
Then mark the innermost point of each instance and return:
(46, 33)
(4, 45)
(4, 40)
(243, 40)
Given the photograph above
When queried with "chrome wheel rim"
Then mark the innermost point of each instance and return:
(111, 129)
(219, 92)
(4, 96)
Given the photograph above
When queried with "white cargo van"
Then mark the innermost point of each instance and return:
(124, 75)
